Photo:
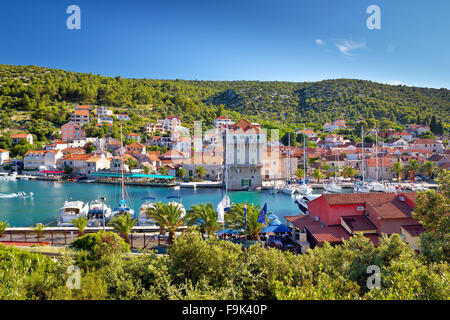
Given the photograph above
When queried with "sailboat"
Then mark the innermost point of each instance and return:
(304, 188)
(332, 186)
(123, 208)
(226, 202)
(143, 220)
(361, 187)
(288, 188)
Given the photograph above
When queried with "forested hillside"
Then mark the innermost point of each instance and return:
(50, 94)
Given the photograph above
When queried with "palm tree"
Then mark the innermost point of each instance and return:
(204, 217)
(163, 171)
(397, 168)
(412, 167)
(325, 168)
(39, 229)
(429, 168)
(169, 217)
(200, 171)
(3, 226)
(181, 173)
(81, 224)
(349, 172)
(236, 219)
(300, 173)
(123, 224)
(318, 174)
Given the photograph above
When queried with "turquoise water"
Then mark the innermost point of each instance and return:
(49, 197)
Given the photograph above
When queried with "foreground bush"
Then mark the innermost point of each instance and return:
(213, 269)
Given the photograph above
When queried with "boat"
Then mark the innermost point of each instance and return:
(416, 188)
(177, 203)
(177, 187)
(123, 208)
(303, 200)
(72, 210)
(332, 187)
(99, 214)
(304, 189)
(25, 195)
(275, 188)
(143, 220)
(289, 189)
(361, 187)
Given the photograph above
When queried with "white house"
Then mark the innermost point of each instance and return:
(4, 156)
(16, 138)
(222, 121)
(105, 119)
(122, 117)
(103, 111)
(428, 144)
(42, 159)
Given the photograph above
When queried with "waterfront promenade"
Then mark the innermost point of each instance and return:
(140, 238)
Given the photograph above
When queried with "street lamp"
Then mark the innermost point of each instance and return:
(102, 199)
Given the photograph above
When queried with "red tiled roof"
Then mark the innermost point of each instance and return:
(3, 150)
(331, 234)
(135, 145)
(358, 223)
(133, 134)
(73, 156)
(81, 112)
(379, 163)
(424, 141)
(19, 136)
(244, 125)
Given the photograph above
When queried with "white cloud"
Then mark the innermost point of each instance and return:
(346, 46)
(319, 42)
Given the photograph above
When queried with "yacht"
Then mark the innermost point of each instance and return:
(332, 187)
(289, 189)
(72, 210)
(148, 203)
(303, 201)
(123, 208)
(360, 187)
(98, 212)
(177, 203)
(275, 188)
(304, 189)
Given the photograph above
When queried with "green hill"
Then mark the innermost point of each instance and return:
(49, 95)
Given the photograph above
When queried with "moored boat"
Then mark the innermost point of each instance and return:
(72, 210)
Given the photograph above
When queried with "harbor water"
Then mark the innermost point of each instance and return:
(49, 197)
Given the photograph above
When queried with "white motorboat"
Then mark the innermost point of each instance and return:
(360, 187)
(304, 189)
(148, 203)
(416, 188)
(274, 189)
(289, 189)
(98, 212)
(303, 201)
(72, 210)
(332, 187)
(375, 186)
(24, 195)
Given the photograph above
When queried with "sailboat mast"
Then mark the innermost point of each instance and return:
(304, 153)
(121, 161)
(289, 155)
(362, 156)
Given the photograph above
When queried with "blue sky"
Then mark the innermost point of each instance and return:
(294, 40)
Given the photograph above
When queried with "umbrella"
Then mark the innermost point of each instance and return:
(226, 231)
(276, 229)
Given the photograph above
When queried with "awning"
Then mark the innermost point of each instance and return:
(50, 171)
(276, 229)
(131, 175)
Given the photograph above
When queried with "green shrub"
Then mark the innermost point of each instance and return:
(101, 243)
